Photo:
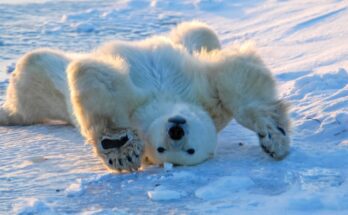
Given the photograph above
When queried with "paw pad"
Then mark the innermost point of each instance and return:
(116, 143)
(121, 150)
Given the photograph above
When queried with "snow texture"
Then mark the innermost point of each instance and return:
(47, 169)
(161, 194)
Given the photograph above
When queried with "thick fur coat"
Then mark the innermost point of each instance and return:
(166, 96)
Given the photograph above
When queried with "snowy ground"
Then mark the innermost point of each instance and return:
(47, 169)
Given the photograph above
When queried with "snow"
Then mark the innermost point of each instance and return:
(47, 169)
(84, 27)
(168, 166)
(223, 187)
(10, 68)
(32, 206)
(164, 195)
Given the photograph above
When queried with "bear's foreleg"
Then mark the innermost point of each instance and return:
(103, 98)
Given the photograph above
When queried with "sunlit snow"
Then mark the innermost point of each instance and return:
(47, 169)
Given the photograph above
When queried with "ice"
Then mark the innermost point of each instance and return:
(74, 188)
(167, 166)
(164, 195)
(270, 182)
(79, 187)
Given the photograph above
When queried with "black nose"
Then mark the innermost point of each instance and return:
(176, 132)
(177, 120)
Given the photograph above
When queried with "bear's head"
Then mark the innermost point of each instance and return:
(178, 133)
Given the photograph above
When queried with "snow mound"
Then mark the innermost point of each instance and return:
(164, 195)
(333, 202)
(10, 68)
(84, 27)
(30, 206)
(317, 179)
(167, 166)
(315, 84)
(79, 187)
(320, 105)
(81, 16)
(224, 187)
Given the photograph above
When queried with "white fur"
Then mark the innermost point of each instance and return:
(142, 84)
(195, 36)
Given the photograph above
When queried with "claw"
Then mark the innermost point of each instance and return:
(121, 153)
(260, 135)
(129, 158)
(265, 149)
(136, 155)
(120, 162)
(281, 130)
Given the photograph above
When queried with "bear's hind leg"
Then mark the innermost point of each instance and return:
(35, 92)
(195, 36)
(247, 89)
(103, 98)
(270, 122)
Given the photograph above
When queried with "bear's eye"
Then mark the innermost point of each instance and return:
(161, 149)
(190, 151)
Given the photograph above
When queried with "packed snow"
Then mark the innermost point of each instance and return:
(161, 194)
(47, 169)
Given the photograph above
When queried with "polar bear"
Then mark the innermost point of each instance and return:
(162, 99)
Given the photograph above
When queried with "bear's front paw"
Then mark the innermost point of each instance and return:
(275, 142)
(121, 149)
